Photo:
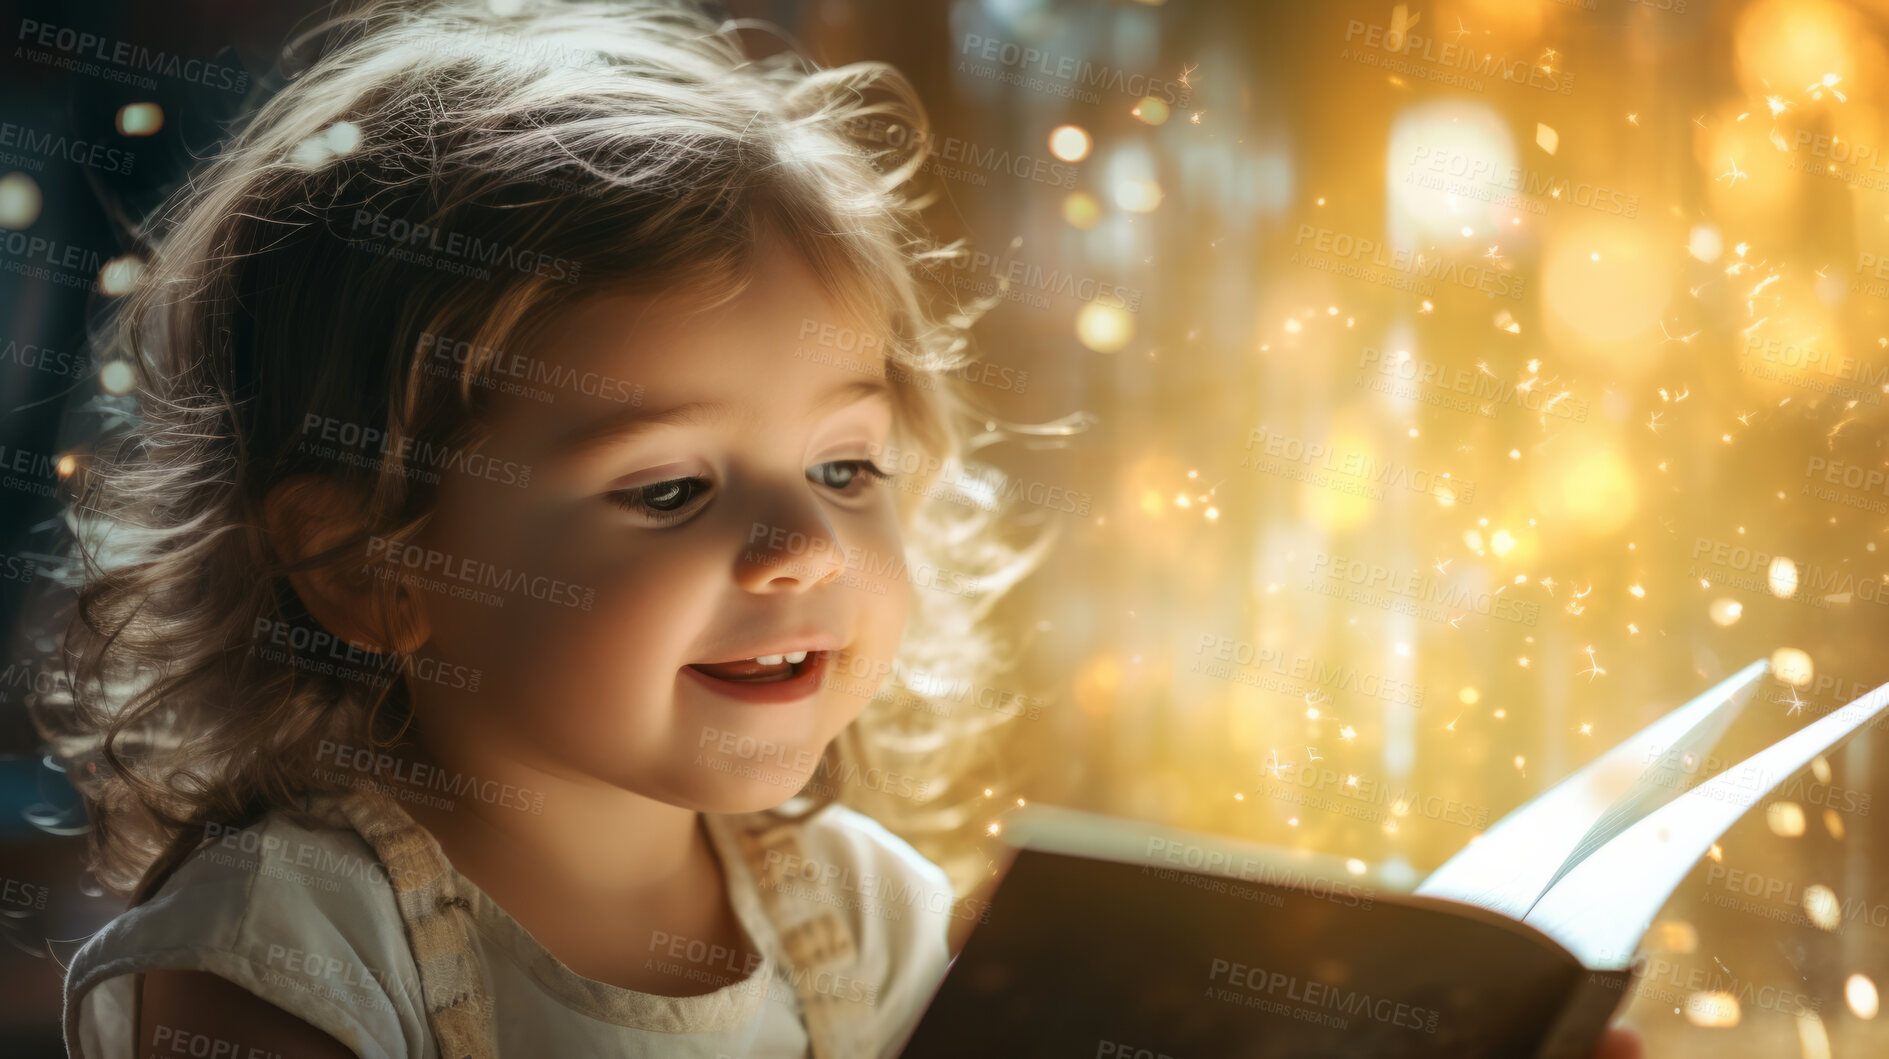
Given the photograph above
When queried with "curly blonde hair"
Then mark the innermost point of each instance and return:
(636, 138)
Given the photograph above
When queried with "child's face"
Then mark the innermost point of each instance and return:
(646, 542)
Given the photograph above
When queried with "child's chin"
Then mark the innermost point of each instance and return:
(739, 795)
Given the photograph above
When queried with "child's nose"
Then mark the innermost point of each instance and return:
(790, 556)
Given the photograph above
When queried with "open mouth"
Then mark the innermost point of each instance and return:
(766, 669)
(768, 678)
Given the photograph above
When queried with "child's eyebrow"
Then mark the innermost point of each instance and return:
(622, 426)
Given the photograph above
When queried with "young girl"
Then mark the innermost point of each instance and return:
(539, 410)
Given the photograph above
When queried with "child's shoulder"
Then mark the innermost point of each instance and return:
(864, 916)
(848, 834)
(301, 915)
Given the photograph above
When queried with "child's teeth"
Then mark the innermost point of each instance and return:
(768, 660)
(796, 657)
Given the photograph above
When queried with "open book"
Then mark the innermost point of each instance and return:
(1114, 938)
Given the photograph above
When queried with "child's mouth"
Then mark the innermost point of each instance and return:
(770, 678)
(768, 669)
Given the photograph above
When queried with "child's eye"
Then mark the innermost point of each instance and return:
(843, 475)
(660, 501)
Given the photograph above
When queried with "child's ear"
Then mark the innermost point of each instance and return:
(307, 515)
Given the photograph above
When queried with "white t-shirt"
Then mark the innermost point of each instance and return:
(849, 920)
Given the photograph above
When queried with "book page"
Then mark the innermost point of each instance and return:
(1603, 905)
(1508, 867)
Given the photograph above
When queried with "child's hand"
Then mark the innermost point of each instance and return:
(1619, 1044)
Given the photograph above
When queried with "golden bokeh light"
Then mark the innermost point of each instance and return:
(1104, 327)
(1069, 142)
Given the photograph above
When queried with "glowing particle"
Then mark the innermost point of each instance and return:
(116, 377)
(120, 275)
(1786, 819)
(140, 119)
(1138, 196)
(1725, 611)
(1717, 1010)
(1792, 666)
(1069, 142)
(1860, 993)
(1546, 137)
(1782, 577)
(1081, 210)
(1104, 327)
(1705, 243)
(20, 200)
(1677, 935)
(1354, 866)
(341, 138)
(1822, 907)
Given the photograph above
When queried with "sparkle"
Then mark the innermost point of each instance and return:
(1277, 767)
(1670, 337)
(1593, 668)
(1796, 704)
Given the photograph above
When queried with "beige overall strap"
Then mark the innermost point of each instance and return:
(453, 982)
(810, 943)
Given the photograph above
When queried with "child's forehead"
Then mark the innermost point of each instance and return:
(780, 355)
(778, 321)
